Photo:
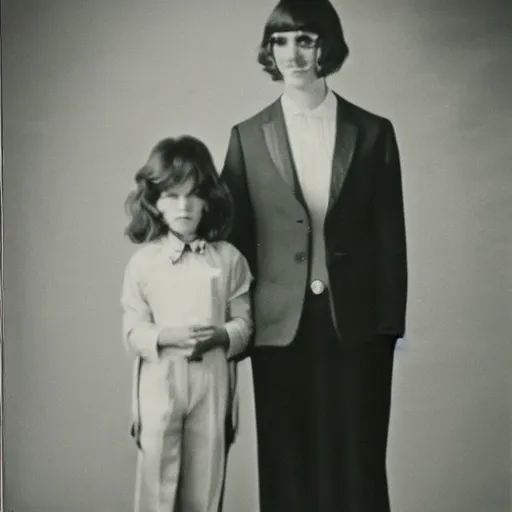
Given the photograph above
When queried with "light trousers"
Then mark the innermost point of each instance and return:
(183, 407)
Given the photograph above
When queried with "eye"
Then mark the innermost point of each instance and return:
(196, 192)
(306, 41)
(278, 40)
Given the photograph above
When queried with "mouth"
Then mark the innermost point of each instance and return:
(297, 71)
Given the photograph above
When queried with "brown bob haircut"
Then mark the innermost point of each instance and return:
(317, 16)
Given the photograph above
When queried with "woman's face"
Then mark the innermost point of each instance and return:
(296, 54)
(182, 209)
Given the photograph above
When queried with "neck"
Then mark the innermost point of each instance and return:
(309, 97)
(185, 238)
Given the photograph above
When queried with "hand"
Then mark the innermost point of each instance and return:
(176, 337)
(207, 338)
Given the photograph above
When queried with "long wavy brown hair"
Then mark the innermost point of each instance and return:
(172, 162)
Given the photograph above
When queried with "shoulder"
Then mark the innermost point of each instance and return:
(143, 257)
(371, 126)
(360, 115)
(230, 256)
(226, 250)
(235, 266)
(260, 117)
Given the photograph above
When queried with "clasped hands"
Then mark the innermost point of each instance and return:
(201, 338)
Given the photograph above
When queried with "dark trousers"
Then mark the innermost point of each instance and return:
(322, 412)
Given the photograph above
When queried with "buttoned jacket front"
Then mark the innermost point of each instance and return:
(364, 228)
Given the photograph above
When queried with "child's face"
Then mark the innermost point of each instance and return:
(182, 209)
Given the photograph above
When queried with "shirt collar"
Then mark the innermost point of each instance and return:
(326, 109)
(174, 247)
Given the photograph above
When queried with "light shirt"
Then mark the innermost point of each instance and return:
(311, 134)
(167, 287)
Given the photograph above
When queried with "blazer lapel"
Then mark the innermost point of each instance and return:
(345, 143)
(276, 139)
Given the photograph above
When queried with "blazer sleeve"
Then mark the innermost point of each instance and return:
(391, 240)
(243, 232)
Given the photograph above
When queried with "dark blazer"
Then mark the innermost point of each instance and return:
(364, 227)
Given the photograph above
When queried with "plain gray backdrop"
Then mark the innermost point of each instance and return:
(90, 86)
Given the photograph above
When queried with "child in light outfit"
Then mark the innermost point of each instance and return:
(186, 314)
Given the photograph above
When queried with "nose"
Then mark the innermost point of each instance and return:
(291, 49)
(294, 54)
(184, 203)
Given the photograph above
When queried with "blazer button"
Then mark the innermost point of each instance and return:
(300, 257)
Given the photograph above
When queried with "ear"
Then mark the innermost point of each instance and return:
(271, 55)
(318, 67)
(159, 206)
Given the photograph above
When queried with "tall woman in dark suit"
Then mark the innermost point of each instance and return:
(319, 215)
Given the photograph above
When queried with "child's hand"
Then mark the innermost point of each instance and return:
(207, 338)
(176, 337)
